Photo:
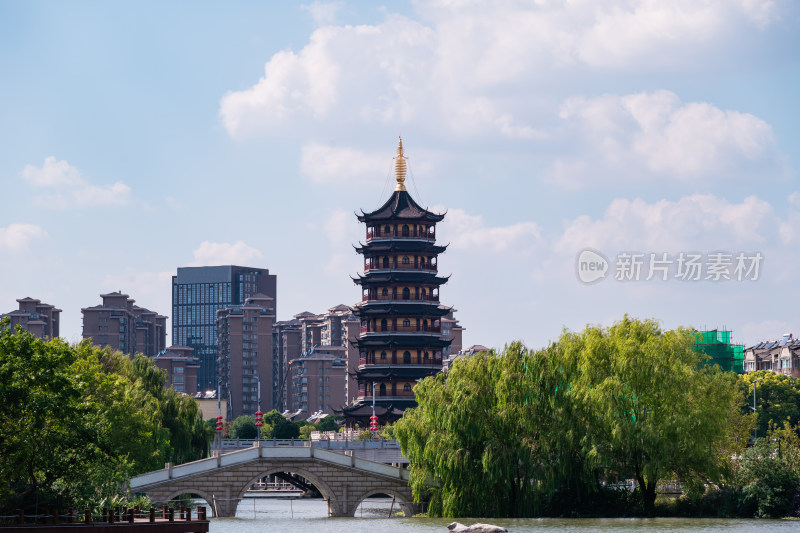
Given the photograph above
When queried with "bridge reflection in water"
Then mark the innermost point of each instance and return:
(342, 478)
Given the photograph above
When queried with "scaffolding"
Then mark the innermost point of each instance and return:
(717, 345)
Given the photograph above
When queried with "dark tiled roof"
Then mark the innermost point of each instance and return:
(400, 205)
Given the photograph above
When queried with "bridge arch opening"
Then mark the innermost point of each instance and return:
(309, 481)
(194, 497)
(399, 503)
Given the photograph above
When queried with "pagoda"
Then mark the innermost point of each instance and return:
(401, 337)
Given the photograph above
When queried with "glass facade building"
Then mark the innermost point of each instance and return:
(197, 294)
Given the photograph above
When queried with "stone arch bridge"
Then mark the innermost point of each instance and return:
(343, 480)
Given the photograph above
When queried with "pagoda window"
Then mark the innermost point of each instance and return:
(406, 293)
(385, 292)
(406, 231)
(387, 230)
(405, 260)
(383, 356)
(407, 357)
(385, 262)
(425, 355)
(407, 387)
(406, 323)
(425, 325)
(382, 389)
(384, 325)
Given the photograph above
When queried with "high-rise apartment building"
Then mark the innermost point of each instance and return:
(181, 367)
(245, 355)
(123, 326)
(316, 381)
(198, 293)
(285, 347)
(36, 317)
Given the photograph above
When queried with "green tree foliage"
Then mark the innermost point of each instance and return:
(75, 421)
(652, 411)
(327, 424)
(768, 480)
(244, 427)
(284, 429)
(526, 433)
(777, 398)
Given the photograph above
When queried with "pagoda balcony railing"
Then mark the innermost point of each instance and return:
(402, 329)
(394, 266)
(377, 361)
(410, 234)
(394, 299)
(399, 395)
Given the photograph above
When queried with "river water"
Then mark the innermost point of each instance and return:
(261, 515)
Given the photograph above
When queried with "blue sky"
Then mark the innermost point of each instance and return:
(140, 137)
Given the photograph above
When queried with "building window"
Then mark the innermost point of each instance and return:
(405, 231)
(385, 292)
(383, 356)
(407, 387)
(385, 262)
(178, 370)
(387, 230)
(406, 323)
(384, 325)
(406, 293)
(382, 389)
(407, 357)
(406, 260)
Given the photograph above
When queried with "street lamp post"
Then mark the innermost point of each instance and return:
(755, 435)
(259, 414)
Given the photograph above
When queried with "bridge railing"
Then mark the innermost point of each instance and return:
(328, 444)
(255, 453)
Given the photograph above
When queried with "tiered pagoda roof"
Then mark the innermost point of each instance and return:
(400, 205)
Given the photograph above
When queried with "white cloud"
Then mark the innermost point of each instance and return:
(323, 13)
(693, 223)
(790, 229)
(470, 233)
(655, 135)
(482, 68)
(66, 188)
(16, 237)
(223, 253)
(332, 165)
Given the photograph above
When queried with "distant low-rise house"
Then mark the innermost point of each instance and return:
(781, 356)
(465, 352)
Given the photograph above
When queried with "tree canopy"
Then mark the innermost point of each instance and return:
(77, 420)
(521, 433)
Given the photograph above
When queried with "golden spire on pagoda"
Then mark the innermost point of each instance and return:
(400, 167)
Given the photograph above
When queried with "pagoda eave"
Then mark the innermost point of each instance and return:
(400, 308)
(394, 276)
(393, 245)
(403, 341)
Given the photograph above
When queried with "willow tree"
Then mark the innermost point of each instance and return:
(652, 411)
(495, 436)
